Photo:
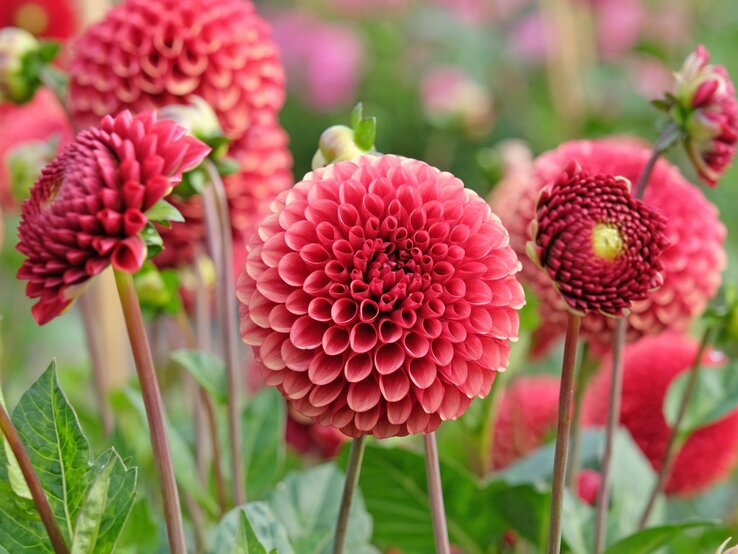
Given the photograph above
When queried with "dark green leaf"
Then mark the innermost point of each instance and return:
(207, 369)
(263, 423)
(140, 533)
(152, 239)
(655, 538)
(308, 502)
(48, 50)
(163, 212)
(21, 529)
(250, 529)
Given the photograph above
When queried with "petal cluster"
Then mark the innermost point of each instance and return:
(147, 54)
(692, 265)
(707, 110)
(89, 205)
(650, 365)
(380, 296)
(598, 244)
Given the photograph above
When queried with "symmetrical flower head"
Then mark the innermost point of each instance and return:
(88, 208)
(147, 54)
(599, 245)
(650, 365)
(693, 263)
(380, 296)
(704, 106)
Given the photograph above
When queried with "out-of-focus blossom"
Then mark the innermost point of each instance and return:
(197, 118)
(380, 296)
(42, 119)
(17, 84)
(649, 76)
(369, 8)
(588, 485)
(532, 37)
(619, 25)
(693, 264)
(705, 108)
(324, 61)
(57, 19)
(89, 206)
(147, 54)
(600, 246)
(650, 365)
(471, 12)
(451, 99)
(308, 437)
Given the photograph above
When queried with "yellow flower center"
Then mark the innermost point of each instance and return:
(607, 242)
(32, 17)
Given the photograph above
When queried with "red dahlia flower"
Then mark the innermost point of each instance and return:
(598, 244)
(89, 205)
(706, 109)
(58, 19)
(650, 365)
(692, 265)
(147, 54)
(380, 296)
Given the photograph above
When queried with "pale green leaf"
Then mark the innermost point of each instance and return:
(163, 212)
(15, 475)
(263, 450)
(250, 529)
(207, 369)
(88, 520)
(655, 538)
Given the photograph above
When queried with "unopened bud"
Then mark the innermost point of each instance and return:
(25, 162)
(200, 121)
(337, 144)
(17, 84)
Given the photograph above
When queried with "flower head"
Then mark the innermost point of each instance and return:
(380, 296)
(147, 54)
(705, 107)
(650, 365)
(598, 244)
(692, 265)
(88, 208)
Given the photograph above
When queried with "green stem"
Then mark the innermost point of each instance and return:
(154, 410)
(676, 440)
(667, 139)
(583, 374)
(349, 486)
(566, 397)
(435, 494)
(613, 416)
(34, 485)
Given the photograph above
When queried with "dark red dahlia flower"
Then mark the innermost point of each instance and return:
(308, 437)
(380, 296)
(692, 265)
(598, 244)
(147, 54)
(526, 416)
(650, 365)
(706, 110)
(89, 206)
(58, 19)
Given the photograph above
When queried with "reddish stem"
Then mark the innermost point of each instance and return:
(349, 486)
(435, 493)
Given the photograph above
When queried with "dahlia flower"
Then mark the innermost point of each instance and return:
(308, 437)
(692, 265)
(88, 207)
(650, 365)
(588, 485)
(380, 296)
(58, 19)
(526, 417)
(598, 244)
(41, 119)
(147, 54)
(704, 106)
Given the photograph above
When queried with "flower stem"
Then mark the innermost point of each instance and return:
(667, 139)
(675, 439)
(580, 385)
(34, 485)
(566, 396)
(96, 363)
(154, 410)
(349, 486)
(613, 416)
(226, 290)
(435, 492)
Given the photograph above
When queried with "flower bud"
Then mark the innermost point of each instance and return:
(336, 145)
(200, 121)
(722, 547)
(17, 46)
(25, 162)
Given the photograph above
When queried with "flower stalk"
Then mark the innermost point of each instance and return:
(435, 493)
(154, 410)
(583, 373)
(566, 397)
(352, 479)
(32, 480)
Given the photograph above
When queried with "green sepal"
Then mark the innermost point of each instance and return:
(152, 239)
(164, 213)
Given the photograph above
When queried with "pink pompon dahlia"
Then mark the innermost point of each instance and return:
(692, 265)
(380, 296)
(526, 416)
(706, 109)
(598, 244)
(650, 365)
(147, 54)
(88, 208)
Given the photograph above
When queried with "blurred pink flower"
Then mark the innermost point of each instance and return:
(649, 76)
(368, 8)
(471, 12)
(324, 61)
(57, 19)
(532, 36)
(588, 485)
(618, 25)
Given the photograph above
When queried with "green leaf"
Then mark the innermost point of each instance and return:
(152, 239)
(207, 369)
(48, 50)
(715, 395)
(227, 166)
(365, 133)
(58, 449)
(106, 508)
(163, 212)
(655, 538)
(21, 529)
(140, 532)
(250, 529)
(308, 502)
(14, 475)
(357, 114)
(263, 452)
